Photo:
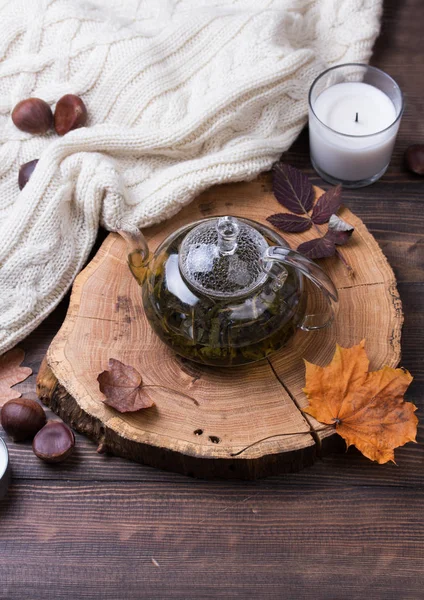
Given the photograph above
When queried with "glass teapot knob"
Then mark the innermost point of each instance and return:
(286, 256)
(228, 229)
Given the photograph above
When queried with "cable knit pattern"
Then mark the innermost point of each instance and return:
(181, 94)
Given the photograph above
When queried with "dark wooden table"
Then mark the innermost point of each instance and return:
(102, 527)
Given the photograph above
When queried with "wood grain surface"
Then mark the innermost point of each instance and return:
(342, 529)
(239, 423)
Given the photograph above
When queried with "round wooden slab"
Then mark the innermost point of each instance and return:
(230, 409)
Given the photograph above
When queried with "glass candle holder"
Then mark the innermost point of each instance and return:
(354, 116)
(4, 469)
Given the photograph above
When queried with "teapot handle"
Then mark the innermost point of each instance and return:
(286, 256)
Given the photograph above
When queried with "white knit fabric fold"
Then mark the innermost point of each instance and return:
(181, 95)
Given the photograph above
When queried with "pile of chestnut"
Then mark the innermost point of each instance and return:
(24, 419)
(34, 115)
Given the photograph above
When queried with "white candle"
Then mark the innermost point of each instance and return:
(352, 131)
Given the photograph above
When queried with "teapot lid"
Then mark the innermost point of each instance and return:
(222, 257)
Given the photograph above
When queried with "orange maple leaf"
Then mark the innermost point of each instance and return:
(12, 373)
(366, 408)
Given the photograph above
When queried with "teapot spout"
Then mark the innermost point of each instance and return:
(138, 254)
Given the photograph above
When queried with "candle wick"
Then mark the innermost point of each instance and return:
(356, 120)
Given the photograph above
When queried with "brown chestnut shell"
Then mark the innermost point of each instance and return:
(22, 418)
(70, 113)
(33, 115)
(54, 442)
(25, 172)
(414, 158)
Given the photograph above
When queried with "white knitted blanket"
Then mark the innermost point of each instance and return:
(181, 94)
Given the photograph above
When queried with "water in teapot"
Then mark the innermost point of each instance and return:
(227, 328)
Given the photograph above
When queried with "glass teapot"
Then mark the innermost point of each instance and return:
(227, 291)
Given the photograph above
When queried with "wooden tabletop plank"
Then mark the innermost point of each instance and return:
(210, 541)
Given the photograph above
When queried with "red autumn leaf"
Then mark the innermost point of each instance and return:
(339, 231)
(322, 247)
(289, 223)
(12, 373)
(292, 188)
(123, 387)
(327, 204)
(294, 191)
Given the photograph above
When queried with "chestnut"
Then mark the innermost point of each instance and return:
(414, 158)
(22, 418)
(25, 172)
(70, 113)
(54, 443)
(33, 116)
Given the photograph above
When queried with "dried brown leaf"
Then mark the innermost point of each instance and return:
(12, 373)
(123, 387)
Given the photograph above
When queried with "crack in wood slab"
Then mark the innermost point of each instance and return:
(358, 285)
(312, 431)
